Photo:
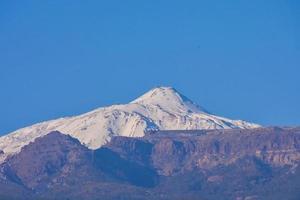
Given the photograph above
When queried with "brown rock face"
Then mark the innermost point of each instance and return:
(232, 164)
(181, 151)
(37, 163)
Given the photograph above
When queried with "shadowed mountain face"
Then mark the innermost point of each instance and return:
(217, 164)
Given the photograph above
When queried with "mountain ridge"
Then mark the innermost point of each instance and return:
(240, 164)
(162, 108)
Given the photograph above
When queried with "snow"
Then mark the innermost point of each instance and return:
(161, 108)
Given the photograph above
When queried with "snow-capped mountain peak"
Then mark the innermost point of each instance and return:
(158, 95)
(162, 108)
(169, 99)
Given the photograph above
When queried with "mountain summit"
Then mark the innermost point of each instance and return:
(162, 108)
(169, 99)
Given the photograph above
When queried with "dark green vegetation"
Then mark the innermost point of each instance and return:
(259, 164)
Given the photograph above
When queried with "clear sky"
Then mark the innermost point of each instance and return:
(239, 59)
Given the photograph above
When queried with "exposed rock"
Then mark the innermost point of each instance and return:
(255, 164)
(186, 151)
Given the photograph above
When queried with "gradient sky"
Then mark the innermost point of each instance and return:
(239, 59)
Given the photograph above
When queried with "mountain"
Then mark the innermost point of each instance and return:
(231, 164)
(162, 108)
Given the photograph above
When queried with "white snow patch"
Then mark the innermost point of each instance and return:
(162, 108)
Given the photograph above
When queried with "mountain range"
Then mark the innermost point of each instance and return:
(162, 108)
(161, 146)
(231, 164)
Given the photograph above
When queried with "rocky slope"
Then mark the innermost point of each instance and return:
(162, 108)
(229, 164)
(175, 152)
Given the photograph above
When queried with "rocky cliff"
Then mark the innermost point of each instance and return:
(234, 164)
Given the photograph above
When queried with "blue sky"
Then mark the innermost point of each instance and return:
(239, 59)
